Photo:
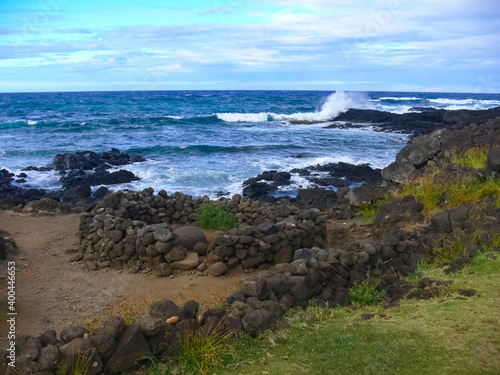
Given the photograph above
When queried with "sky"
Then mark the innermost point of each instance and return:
(378, 45)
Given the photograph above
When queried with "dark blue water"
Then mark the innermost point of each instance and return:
(202, 142)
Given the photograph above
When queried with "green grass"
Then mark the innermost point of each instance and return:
(197, 355)
(368, 212)
(451, 194)
(213, 217)
(474, 157)
(366, 293)
(426, 337)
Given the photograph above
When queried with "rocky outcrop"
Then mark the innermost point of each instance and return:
(89, 160)
(417, 123)
(433, 148)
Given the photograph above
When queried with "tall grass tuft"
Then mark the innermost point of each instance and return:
(474, 157)
(200, 352)
(449, 194)
(213, 217)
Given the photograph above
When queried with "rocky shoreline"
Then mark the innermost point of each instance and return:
(281, 243)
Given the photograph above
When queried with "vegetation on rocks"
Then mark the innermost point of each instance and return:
(213, 217)
(446, 334)
(447, 187)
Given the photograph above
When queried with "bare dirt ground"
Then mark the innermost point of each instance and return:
(52, 293)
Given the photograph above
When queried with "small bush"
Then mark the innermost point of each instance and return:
(213, 217)
(366, 293)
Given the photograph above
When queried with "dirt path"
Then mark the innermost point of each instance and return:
(53, 293)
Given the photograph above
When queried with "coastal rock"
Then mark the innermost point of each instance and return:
(365, 194)
(319, 198)
(85, 160)
(79, 192)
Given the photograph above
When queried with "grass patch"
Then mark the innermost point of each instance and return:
(424, 337)
(450, 194)
(474, 157)
(213, 217)
(368, 212)
(200, 352)
(366, 293)
(80, 366)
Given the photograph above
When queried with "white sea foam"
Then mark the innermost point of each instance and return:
(397, 98)
(32, 122)
(335, 104)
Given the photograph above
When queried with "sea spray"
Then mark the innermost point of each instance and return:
(336, 103)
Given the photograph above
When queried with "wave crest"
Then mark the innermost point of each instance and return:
(335, 104)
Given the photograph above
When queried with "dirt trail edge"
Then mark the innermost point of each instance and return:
(52, 293)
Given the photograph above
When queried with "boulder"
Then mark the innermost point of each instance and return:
(47, 359)
(80, 353)
(131, 347)
(163, 270)
(28, 346)
(119, 177)
(151, 326)
(104, 344)
(304, 254)
(201, 248)
(72, 332)
(257, 322)
(79, 192)
(177, 253)
(188, 263)
(112, 326)
(318, 198)
(189, 236)
(365, 194)
(493, 162)
(217, 269)
(254, 286)
(166, 309)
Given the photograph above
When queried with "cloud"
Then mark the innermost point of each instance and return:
(219, 10)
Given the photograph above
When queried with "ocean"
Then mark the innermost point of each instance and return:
(204, 142)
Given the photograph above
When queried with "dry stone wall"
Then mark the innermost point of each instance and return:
(134, 231)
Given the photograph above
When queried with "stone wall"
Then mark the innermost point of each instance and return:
(134, 231)
(326, 275)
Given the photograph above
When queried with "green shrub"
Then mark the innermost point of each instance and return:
(213, 217)
(366, 293)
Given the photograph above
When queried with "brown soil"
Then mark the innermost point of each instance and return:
(52, 293)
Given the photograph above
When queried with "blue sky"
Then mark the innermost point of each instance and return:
(398, 45)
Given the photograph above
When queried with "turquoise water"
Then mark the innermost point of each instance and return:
(202, 142)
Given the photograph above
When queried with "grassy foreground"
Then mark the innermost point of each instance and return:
(449, 334)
